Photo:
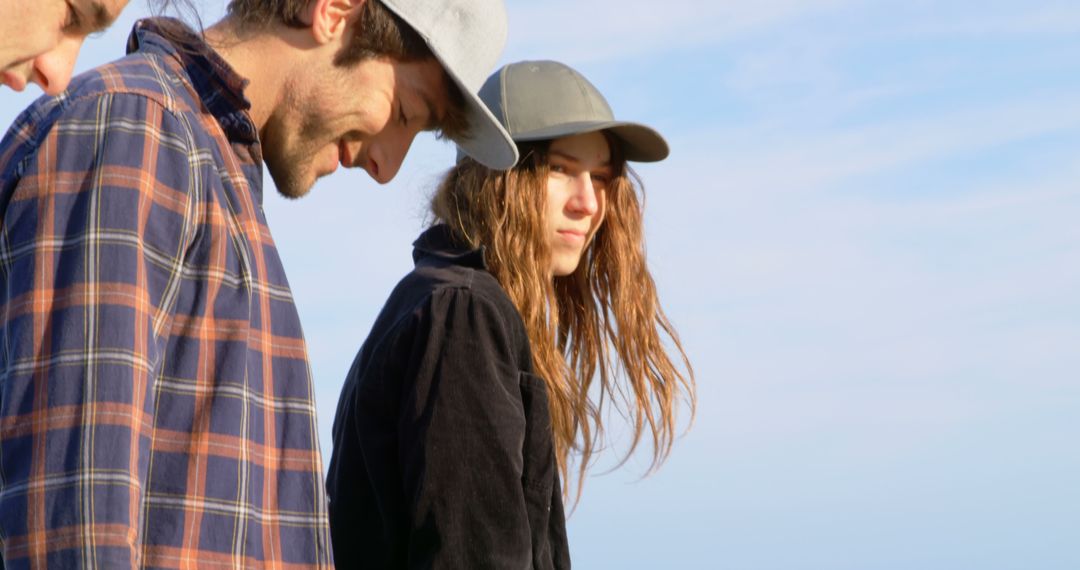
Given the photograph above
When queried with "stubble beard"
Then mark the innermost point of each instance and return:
(290, 152)
(290, 171)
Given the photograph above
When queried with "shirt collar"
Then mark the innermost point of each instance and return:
(439, 242)
(218, 85)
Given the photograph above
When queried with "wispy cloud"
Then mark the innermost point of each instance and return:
(757, 160)
(996, 19)
(594, 31)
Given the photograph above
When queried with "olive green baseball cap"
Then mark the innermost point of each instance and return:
(540, 100)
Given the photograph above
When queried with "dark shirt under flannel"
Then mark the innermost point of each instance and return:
(156, 405)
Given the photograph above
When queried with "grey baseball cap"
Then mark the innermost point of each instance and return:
(467, 37)
(539, 100)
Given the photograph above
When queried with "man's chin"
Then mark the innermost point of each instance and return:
(293, 185)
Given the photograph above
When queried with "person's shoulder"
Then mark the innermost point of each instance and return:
(140, 74)
(431, 289)
(449, 301)
(139, 77)
(137, 91)
(447, 278)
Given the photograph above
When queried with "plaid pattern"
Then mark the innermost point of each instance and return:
(156, 405)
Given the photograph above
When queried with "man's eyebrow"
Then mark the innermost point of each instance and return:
(100, 17)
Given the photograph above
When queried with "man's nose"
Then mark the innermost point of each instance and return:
(386, 156)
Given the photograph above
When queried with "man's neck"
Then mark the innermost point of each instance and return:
(265, 58)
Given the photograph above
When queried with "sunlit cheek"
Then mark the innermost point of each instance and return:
(554, 205)
(601, 211)
(37, 42)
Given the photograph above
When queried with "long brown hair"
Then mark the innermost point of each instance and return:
(598, 335)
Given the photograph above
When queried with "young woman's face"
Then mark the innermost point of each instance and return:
(579, 172)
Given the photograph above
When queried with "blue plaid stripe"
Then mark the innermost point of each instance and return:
(156, 404)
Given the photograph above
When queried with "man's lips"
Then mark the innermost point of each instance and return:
(344, 156)
(349, 159)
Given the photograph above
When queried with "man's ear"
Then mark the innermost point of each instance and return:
(330, 18)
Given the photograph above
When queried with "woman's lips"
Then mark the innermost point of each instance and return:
(572, 235)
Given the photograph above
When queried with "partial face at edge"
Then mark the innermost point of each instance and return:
(40, 39)
(579, 172)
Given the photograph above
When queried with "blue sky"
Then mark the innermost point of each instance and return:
(867, 236)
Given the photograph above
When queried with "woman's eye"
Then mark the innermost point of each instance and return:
(557, 168)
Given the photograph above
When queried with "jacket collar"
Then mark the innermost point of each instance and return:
(438, 243)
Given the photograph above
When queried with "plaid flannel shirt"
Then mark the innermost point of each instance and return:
(156, 404)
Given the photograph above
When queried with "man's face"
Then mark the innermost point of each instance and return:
(40, 39)
(366, 116)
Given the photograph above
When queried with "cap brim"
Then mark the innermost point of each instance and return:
(487, 141)
(640, 143)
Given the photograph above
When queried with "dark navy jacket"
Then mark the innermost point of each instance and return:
(443, 453)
